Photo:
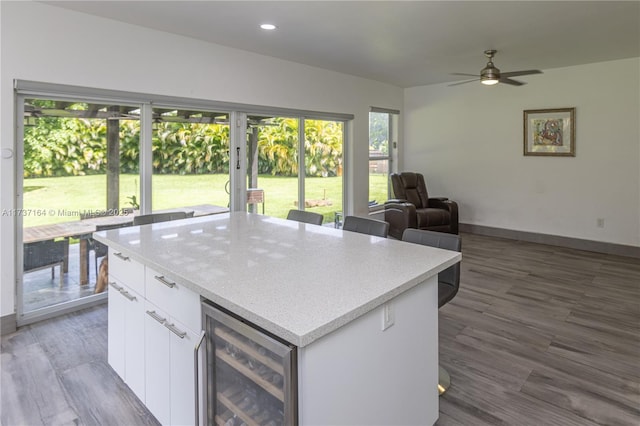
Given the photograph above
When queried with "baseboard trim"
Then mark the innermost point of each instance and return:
(8, 324)
(553, 240)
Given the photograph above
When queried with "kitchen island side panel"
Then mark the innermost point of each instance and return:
(360, 374)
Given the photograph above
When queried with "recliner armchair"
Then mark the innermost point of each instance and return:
(412, 207)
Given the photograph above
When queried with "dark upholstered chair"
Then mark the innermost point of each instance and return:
(306, 217)
(364, 225)
(46, 254)
(160, 217)
(448, 280)
(412, 207)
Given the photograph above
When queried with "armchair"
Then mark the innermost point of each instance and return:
(412, 207)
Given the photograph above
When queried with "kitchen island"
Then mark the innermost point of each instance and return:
(361, 311)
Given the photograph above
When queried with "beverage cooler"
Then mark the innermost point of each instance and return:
(250, 375)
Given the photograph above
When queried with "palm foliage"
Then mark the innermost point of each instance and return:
(77, 147)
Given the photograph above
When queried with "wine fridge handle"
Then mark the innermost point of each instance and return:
(196, 375)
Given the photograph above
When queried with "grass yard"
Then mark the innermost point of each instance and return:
(60, 199)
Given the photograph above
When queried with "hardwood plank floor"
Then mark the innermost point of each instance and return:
(537, 335)
(55, 372)
(541, 335)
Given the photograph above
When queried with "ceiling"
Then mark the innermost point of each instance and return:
(403, 43)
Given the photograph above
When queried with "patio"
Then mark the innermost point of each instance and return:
(40, 290)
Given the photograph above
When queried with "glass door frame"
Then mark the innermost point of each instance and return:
(22, 317)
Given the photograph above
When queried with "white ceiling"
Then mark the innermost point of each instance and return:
(404, 43)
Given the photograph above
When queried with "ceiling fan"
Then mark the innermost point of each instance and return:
(491, 75)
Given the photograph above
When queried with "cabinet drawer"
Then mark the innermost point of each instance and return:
(175, 299)
(126, 270)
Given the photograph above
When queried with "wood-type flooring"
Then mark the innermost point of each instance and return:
(537, 335)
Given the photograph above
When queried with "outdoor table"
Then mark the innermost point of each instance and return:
(82, 229)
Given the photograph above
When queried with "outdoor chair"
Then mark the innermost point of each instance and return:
(146, 219)
(46, 254)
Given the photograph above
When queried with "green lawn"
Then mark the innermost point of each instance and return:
(59, 199)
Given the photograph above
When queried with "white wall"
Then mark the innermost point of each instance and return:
(468, 141)
(49, 44)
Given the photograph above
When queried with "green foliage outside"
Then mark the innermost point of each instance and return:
(77, 147)
(379, 133)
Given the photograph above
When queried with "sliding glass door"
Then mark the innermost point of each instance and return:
(190, 158)
(272, 164)
(79, 170)
(323, 162)
(280, 178)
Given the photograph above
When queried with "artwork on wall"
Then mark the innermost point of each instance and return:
(550, 132)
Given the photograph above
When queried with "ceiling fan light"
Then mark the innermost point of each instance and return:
(489, 81)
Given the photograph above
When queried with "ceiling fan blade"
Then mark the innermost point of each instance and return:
(511, 82)
(461, 73)
(517, 73)
(463, 82)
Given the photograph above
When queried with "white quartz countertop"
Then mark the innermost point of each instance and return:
(295, 280)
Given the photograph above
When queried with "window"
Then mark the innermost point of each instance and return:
(381, 147)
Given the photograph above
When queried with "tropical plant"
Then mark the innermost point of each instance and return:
(77, 146)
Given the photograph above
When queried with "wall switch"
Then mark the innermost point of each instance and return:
(600, 222)
(388, 316)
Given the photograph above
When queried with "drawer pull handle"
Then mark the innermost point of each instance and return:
(116, 286)
(121, 256)
(156, 317)
(127, 295)
(164, 281)
(175, 330)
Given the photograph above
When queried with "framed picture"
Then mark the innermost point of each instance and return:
(550, 132)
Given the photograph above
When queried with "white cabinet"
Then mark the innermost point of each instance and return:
(183, 342)
(115, 331)
(168, 293)
(169, 367)
(153, 323)
(126, 321)
(126, 335)
(173, 313)
(157, 362)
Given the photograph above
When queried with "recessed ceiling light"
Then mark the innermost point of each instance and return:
(268, 26)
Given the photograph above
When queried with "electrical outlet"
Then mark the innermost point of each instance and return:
(600, 222)
(388, 316)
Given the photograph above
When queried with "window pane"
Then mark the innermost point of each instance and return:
(323, 167)
(378, 158)
(272, 164)
(378, 181)
(190, 158)
(80, 172)
(378, 134)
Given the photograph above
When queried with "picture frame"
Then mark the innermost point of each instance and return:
(550, 132)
